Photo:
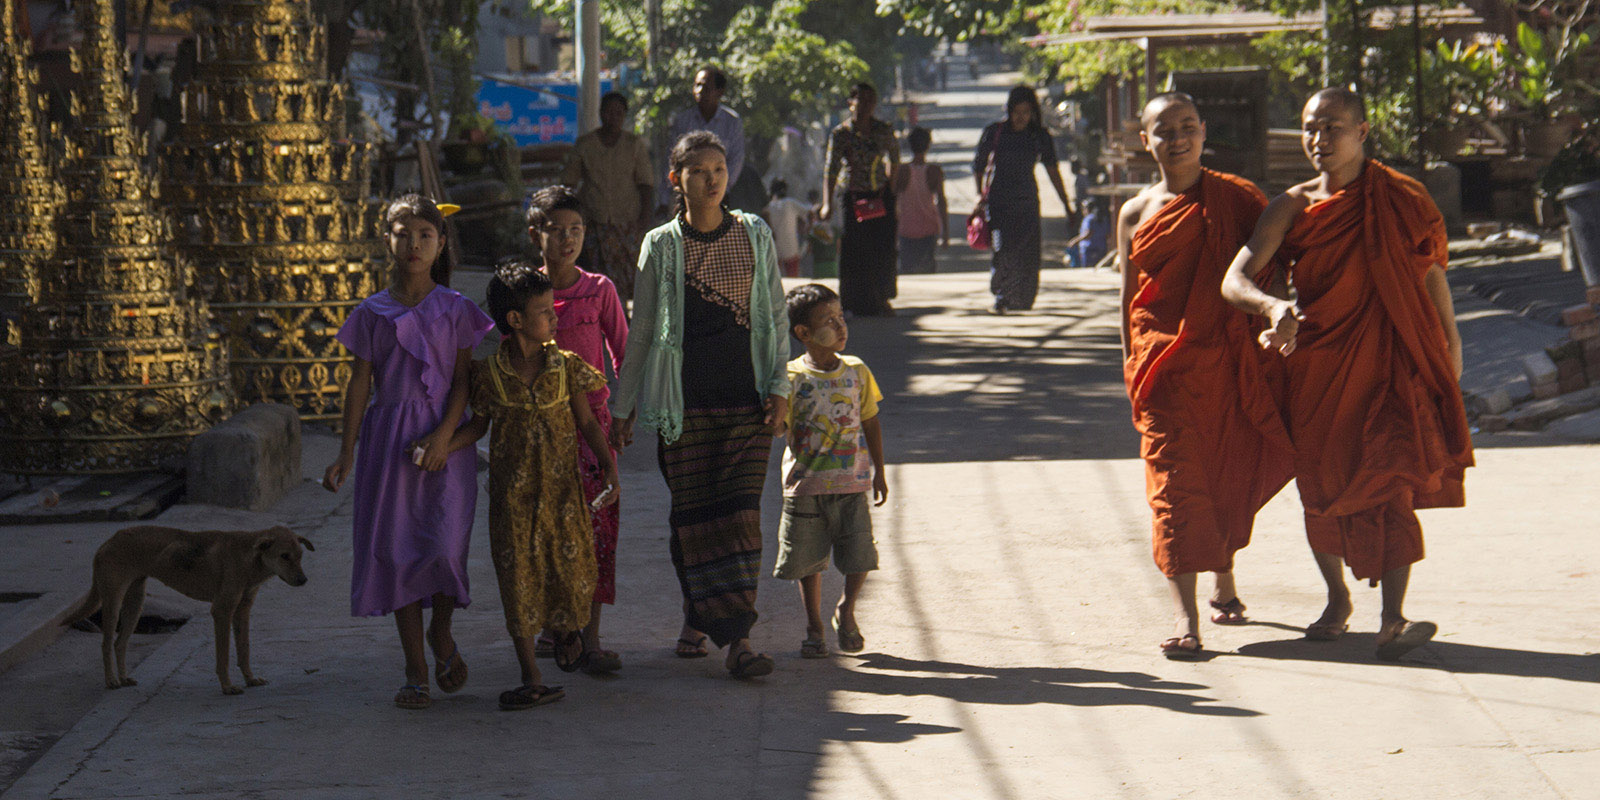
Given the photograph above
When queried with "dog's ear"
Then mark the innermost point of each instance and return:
(306, 543)
(264, 544)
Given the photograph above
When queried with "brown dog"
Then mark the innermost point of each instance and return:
(223, 568)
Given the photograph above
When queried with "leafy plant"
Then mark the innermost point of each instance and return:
(1548, 67)
(1578, 162)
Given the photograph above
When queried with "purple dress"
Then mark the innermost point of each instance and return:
(411, 527)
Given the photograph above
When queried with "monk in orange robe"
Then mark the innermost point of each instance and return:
(1213, 443)
(1374, 359)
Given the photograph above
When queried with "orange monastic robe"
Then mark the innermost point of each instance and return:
(1373, 405)
(1214, 446)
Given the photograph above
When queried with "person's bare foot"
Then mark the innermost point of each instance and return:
(1333, 622)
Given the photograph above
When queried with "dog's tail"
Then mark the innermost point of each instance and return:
(88, 605)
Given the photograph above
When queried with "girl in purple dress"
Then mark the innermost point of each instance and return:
(414, 499)
(593, 325)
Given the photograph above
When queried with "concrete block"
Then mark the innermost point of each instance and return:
(1492, 423)
(1585, 331)
(249, 461)
(1592, 294)
(1497, 401)
(1539, 369)
(1577, 315)
(1537, 414)
(1545, 391)
(1567, 368)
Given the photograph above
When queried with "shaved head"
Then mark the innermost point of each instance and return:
(1160, 102)
(1342, 98)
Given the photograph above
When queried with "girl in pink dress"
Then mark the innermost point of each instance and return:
(414, 499)
(593, 325)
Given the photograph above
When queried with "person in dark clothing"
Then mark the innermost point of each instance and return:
(863, 158)
(1003, 168)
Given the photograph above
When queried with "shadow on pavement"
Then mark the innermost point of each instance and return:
(1067, 686)
(1454, 657)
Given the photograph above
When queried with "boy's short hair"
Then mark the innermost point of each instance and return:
(802, 300)
(548, 201)
(919, 139)
(515, 282)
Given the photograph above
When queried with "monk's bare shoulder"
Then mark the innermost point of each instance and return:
(1282, 211)
(1132, 212)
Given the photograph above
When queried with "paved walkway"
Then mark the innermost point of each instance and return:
(1010, 634)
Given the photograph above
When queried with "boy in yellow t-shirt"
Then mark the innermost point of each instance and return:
(833, 414)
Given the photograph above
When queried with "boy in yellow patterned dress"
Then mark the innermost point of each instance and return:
(540, 537)
(833, 417)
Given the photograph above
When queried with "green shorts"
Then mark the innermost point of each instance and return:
(816, 524)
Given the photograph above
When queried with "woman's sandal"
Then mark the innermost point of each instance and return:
(1175, 649)
(413, 697)
(1410, 636)
(527, 696)
(814, 648)
(566, 661)
(1229, 613)
(691, 649)
(451, 673)
(751, 665)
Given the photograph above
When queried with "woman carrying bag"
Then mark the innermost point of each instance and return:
(863, 157)
(1003, 169)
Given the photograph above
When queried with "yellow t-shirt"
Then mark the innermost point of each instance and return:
(827, 452)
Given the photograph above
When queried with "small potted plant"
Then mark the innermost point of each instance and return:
(1464, 74)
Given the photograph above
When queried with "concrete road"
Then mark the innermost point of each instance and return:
(1010, 634)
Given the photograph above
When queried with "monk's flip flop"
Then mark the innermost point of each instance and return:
(1412, 636)
(814, 648)
(1175, 649)
(850, 640)
(1229, 613)
(1326, 631)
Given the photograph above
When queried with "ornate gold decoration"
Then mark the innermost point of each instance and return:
(272, 196)
(115, 368)
(29, 193)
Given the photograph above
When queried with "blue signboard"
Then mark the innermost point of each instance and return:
(545, 115)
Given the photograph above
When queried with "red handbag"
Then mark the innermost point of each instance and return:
(870, 208)
(978, 235)
(978, 229)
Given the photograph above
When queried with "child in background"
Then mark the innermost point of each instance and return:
(413, 510)
(593, 325)
(1094, 234)
(790, 220)
(540, 534)
(923, 211)
(833, 415)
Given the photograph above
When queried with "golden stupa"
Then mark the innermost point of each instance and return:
(30, 195)
(115, 367)
(272, 201)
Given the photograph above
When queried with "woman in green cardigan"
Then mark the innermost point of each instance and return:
(706, 369)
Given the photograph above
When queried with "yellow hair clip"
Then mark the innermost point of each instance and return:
(448, 208)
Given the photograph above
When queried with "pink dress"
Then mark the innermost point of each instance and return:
(411, 527)
(592, 324)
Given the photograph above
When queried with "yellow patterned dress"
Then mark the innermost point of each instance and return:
(539, 529)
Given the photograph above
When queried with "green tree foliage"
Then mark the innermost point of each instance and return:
(779, 71)
(957, 20)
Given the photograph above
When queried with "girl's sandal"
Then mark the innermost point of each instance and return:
(814, 648)
(413, 697)
(527, 696)
(566, 659)
(544, 647)
(1229, 613)
(451, 673)
(691, 649)
(751, 665)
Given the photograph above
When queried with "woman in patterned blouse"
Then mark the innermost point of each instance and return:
(863, 158)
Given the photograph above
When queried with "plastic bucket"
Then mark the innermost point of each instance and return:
(1582, 204)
